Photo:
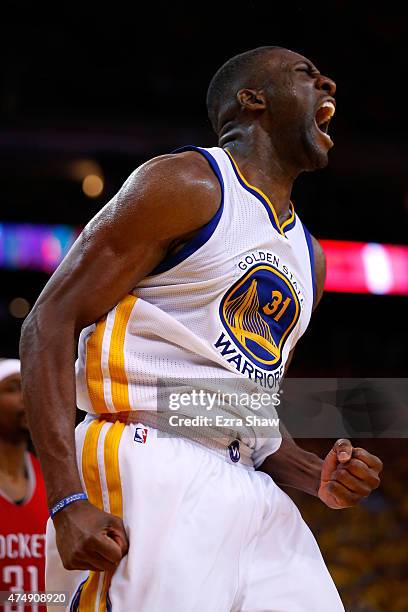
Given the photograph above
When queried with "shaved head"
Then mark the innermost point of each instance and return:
(241, 71)
(278, 96)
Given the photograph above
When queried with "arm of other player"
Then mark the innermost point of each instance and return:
(347, 474)
(165, 199)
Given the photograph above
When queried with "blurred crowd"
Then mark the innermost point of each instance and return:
(366, 548)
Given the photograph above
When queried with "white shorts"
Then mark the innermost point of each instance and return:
(205, 535)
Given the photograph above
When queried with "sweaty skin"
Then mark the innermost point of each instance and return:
(118, 248)
(273, 138)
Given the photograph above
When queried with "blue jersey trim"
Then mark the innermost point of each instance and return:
(205, 233)
(74, 607)
(312, 262)
(289, 226)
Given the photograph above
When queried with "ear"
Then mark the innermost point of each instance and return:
(252, 99)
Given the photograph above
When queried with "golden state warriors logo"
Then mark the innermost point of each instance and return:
(259, 312)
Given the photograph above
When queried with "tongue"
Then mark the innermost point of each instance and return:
(323, 115)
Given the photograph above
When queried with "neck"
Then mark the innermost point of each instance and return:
(261, 165)
(12, 458)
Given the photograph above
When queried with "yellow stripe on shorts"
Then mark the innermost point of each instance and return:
(93, 487)
(111, 457)
(90, 470)
(93, 371)
(119, 381)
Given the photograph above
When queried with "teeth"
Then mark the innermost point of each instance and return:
(324, 114)
(329, 105)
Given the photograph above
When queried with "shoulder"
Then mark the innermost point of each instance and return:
(188, 166)
(30, 457)
(185, 178)
(39, 489)
(320, 269)
(163, 199)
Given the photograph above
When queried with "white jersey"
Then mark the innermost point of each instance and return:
(230, 304)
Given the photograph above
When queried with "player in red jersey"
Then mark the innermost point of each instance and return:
(23, 506)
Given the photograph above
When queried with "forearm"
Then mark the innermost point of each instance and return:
(47, 350)
(294, 467)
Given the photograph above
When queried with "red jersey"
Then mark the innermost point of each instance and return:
(22, 538)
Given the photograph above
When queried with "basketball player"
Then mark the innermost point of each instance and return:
(199, 268)
(23, 504)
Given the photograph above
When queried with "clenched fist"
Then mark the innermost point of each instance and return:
(348, 475)
(88, 538)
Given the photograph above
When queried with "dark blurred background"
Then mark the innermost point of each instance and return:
(115, 89)
(99, 92)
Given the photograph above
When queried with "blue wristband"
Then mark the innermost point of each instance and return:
(66, 501)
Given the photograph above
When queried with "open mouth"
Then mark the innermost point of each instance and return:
(324, 115)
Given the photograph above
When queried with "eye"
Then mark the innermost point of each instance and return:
(309, 70)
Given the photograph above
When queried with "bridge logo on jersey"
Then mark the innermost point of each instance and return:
(259, 312)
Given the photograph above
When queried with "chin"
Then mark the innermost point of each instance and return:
(321, 161)
(315, 151)
(317, 157)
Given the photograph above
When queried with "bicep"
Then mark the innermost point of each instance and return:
(125, 241)
(96, 274)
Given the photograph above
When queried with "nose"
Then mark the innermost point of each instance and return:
(326, 84)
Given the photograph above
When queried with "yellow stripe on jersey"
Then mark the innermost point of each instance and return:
(119, 381)
(111, 456)
(90, 472)
(94, 375)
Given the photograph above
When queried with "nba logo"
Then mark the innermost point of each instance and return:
(234, 453)
(140, 435)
